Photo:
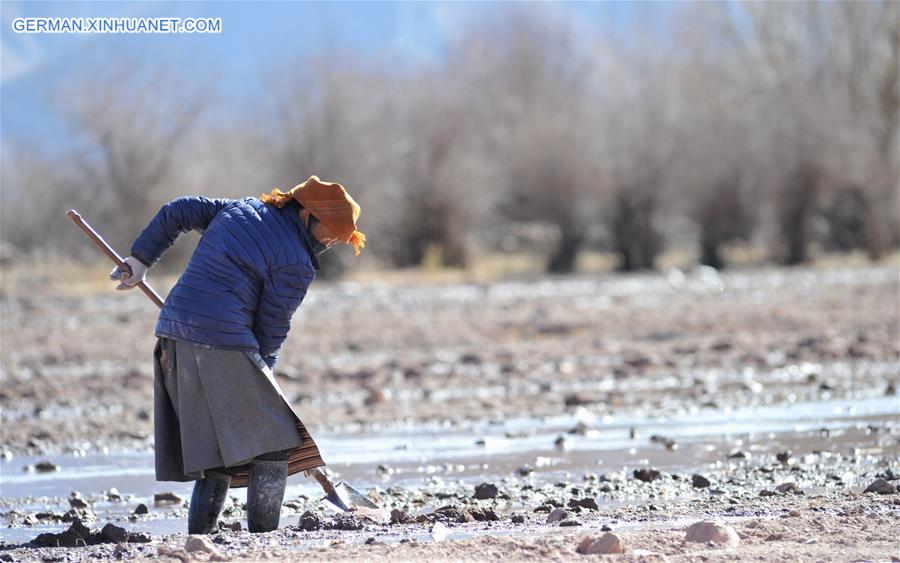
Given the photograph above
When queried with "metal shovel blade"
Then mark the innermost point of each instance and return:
(347, 498)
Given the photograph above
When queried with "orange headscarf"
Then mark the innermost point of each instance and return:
(329, 203)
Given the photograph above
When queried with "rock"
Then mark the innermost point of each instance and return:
(450, 513)
(699, 482)
(784, 458)
(789, 488)
(484, 515)
(62, 539)
(45, 467)
(82, 515)
(881, 487)
(470, 358)
(647, 474)
(707, 531)
(113, 534)
(668, 443)
(525, 471)
(201, 544)
(42, 516)
(569, 523)
(556, 515)
(439, 531)
(141, 509)
(400, 517)
(347, 522)
(76, 502)
(113, 495)
(77, 535)
(739, 454)
(518, 518)
(486, 491)
(179, 554)
(587, 503)
(116, 534)
(221, 539)
(377, 396)
(310, 521)
(162, 499)
(608, 543)
(580, 429)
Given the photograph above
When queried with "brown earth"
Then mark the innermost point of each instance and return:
(76, 375)
(78, 371)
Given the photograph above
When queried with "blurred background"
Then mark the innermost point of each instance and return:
(503, 146)
(492, 138)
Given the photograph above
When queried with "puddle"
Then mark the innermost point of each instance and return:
(475, 452)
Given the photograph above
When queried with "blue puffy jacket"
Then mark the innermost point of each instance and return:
(248, 275)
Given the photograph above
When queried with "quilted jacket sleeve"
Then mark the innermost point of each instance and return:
(283, 291)
(174, 218)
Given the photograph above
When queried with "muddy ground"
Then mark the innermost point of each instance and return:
(583, 365)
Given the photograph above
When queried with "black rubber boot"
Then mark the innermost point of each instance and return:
(207, 502)
(265, 494)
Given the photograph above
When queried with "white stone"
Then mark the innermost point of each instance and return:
(439, 531)
(607, 543)
(199, 543)
(707, 531)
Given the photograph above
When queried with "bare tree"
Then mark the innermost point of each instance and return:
(639, 153)
(536, 124)
(336, 120)
(131, 123)
(820, 81)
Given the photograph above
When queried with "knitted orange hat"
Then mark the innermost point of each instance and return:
(329, 203)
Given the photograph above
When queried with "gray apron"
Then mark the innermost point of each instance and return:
(217, 408)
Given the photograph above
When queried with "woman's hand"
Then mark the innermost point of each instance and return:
(129, 279)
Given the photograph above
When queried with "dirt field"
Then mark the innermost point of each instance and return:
(589, 362)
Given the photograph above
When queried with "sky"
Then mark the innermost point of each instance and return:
(253, 35)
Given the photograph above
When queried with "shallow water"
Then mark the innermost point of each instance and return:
(474, 452)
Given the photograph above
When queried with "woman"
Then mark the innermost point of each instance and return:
(220, 418)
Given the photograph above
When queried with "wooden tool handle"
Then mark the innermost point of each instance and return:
(323, 480)
(108, 250)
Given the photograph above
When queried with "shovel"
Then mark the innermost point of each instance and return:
(342, 495)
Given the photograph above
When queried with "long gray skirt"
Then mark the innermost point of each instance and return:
(217, 408)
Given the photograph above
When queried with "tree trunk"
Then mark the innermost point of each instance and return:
(797, 238)
(710, 253)
(876, 236)
(635, 236)
(797, 203)
(723, 216)
(453, 251)
(563, 259)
